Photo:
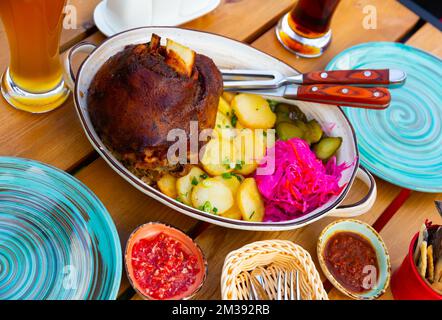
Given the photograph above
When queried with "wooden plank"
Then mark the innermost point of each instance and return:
(242, 19)
(128, 207)
(406, 222)
(61, 141)
(428, 38)
(393, 21)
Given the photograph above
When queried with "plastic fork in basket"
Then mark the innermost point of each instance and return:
(286, 289)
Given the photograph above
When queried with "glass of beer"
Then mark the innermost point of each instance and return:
(306, 29)
(33, 81)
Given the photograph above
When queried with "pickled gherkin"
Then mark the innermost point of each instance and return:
(301, 125)
(283, 107)
(293, 111)
(327, 147)
(282, 117)
(287, 131)
(314, 132)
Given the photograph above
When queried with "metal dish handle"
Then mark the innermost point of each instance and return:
(70, 76)
(363, 205)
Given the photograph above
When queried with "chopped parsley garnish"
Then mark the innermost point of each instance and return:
(227, 175)
(234, 120)
(207, 207)
(194, 181)
(215, 210)
(251, 216)
(204, 176)
(219, 126)
(239, 165)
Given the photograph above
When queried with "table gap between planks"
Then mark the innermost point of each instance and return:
(61, 141)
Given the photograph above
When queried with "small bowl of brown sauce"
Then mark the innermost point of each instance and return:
(354, 259)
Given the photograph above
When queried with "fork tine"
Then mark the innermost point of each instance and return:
(253, 291)
(298, 291)
(252, 84)
(292, 286)
(286, 289)
(250, 73)
(279, 287)
(251, 79)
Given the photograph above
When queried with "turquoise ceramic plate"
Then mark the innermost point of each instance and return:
(57, 241)
(402, 144)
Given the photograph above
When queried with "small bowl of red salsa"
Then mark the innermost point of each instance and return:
(163, 263)
(354, 259)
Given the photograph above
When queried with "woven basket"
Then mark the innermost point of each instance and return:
(269, 257)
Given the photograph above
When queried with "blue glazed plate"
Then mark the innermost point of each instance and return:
(57, 240)
(402, 144)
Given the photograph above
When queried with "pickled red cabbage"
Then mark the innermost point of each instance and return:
(300, 183)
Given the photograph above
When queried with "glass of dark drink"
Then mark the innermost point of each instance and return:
(306, 29)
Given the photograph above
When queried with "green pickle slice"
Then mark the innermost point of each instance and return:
(327, 147)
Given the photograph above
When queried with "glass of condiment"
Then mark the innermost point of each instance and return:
(33, 81)
(306, 29)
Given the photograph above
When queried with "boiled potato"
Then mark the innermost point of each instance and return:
(232, 213)
(250, 202)
(253, 111)
(224, 107)
(230, 181)
(228, 96)
(218, 157)
(167, 185)
(239, 126)
(250, 149)
(213, 196)
(223, 126)
(184, 185)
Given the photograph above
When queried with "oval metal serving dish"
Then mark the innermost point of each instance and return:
(226, 53)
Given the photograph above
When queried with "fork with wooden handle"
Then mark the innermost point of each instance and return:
(331, 87)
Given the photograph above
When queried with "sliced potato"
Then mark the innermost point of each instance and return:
(239, 126)
(223, 126)
(218, 157)
(250, 149)
(250, 201)
(228, 96)
(232, 213)
(224, 107)
(167, 185)
(253, 111)
(213, 196)
(184, 185)
(230, 181)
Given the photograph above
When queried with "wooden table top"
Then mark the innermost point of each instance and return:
(58, 139)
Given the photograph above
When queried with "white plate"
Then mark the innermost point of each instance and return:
(108, 28)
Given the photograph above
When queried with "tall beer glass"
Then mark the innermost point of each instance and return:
(33, 81)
